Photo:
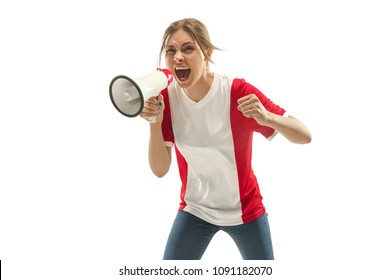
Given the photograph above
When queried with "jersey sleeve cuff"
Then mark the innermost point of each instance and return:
(168, 144)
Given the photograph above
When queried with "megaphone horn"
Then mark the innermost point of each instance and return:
(128, 96)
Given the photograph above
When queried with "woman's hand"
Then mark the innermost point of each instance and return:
(251, 107)
(153, 109)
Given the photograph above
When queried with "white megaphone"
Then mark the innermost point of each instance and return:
(129, 96)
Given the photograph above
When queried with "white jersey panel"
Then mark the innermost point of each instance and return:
(203, 136)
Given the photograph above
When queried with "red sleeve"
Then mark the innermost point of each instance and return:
(241, 88)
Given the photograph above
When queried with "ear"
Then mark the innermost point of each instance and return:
(209, 52)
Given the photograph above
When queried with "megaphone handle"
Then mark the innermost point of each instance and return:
(153, 119)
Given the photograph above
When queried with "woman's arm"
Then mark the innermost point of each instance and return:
(290, 127)
(159, 153)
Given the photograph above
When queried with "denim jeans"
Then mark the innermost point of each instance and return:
(190, 236)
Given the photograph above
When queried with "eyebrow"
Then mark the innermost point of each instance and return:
(186, 43)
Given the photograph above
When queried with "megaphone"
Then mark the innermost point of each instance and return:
(128, 96)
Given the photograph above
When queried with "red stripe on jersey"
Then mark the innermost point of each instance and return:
(242, 131)
(169, 137)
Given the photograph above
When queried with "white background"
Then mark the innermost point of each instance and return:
(77, 198)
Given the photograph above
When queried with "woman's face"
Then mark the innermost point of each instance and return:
(185, 59)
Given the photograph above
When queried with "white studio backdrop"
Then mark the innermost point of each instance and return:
(77, 198)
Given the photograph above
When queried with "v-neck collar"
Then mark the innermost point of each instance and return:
(199, 104)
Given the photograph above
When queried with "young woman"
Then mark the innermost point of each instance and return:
(209, 119)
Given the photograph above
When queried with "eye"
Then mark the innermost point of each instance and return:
(170, 51)
(188, 49)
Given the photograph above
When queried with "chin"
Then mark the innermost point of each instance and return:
(184, 84)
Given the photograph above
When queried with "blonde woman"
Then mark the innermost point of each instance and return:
(209, 119)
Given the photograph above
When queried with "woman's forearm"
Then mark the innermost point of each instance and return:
(291, 128)
(159, 154)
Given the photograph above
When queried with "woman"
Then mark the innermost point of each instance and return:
(209, 119)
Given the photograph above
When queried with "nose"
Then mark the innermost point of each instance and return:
(178, 57)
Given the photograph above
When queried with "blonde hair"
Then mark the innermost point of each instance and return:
(196, 29)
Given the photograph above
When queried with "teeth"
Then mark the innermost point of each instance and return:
(182, 68)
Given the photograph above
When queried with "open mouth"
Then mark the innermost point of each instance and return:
(182, 73)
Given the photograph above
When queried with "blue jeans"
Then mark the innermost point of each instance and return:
(191, 235)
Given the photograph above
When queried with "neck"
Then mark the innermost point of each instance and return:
(199, 90)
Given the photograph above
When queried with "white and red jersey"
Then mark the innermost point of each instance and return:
(213, 144)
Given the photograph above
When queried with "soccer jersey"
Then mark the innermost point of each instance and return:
(213, 145)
